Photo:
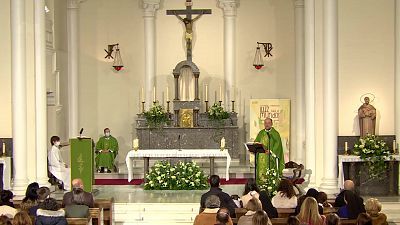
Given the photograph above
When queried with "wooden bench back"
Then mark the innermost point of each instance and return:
(284, 213)
(78, 221)
(279, 221)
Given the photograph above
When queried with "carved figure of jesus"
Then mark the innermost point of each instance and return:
(188, 29)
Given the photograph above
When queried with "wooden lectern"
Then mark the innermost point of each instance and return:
(255, 148)
(82, 161)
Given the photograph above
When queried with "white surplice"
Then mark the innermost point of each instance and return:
(58, 168)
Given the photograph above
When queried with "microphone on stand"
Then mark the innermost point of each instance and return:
(80, 133)
(179, 143)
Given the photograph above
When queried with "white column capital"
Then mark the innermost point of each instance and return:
(298, 3)
(74, 4)
(150, 7)
(228, 6)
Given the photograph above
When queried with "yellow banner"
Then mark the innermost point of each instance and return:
(276, 109)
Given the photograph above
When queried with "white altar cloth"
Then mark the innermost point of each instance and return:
(352, 158)
(175, 153)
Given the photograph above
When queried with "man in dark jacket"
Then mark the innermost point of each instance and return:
(348, 186)
(68, 198)
(225, 199)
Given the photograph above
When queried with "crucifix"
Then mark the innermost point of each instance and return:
(188, 22)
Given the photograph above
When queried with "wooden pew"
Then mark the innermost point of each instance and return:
(78, 221)
(279, 221)
(284, 213)
(95, 214)
(344, 221)
(329, 210)
(105, 205)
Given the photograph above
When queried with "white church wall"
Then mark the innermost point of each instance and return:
(5, 71)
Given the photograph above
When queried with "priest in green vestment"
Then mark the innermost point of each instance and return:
(273, 158)
(107, 150)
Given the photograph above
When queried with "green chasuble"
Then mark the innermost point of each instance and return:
(262, 159)
(106, 160)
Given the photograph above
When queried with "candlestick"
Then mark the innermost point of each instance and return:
(345, 148)
(206, 106)
(394, 146)
(4, 148)
(154, 94)
(220, 103)
(206, 98)
(143, 107)
(168, 106)
(233, 106)
(220, 93)
(222, 144)
(135, 144)
(142, 95)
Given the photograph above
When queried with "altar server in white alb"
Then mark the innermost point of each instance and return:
(57, 166)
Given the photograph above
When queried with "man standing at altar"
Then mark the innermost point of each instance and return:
(106, 150)
(273, 156)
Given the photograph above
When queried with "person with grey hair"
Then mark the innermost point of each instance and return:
(68, 198)
(77, 209)
(209, 214)
(348, 186)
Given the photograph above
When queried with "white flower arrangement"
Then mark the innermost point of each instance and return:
(269, 182)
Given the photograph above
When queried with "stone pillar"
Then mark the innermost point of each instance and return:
(40, 94)
(149, 10)
(330, 92)
(299, 34)
(196, 87)
(19, 102)
(309, 85)
(229, 9)
(176, 78)
(397, 71)
(73, 66)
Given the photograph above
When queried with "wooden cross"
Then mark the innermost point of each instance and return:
(188, 22)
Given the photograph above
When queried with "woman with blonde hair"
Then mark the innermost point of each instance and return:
(373, 208)
(261, 218)
(252, 206)
(22, 218)
(309, 213)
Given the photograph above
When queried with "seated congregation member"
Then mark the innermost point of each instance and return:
(285, 198)
(251, 190)
(253, 205)
(87, 197)
(49, 213)
(348, 186)
(332, 219)
(223, 217)
(267, 205)
(225, 199)
(4, 220)
(31, 197)
(373, 208)
(57, 167)
(208, 216)
(323, 200)
(77, 209)
(310, 193)
(352, 208)
(22, 218)
(6, 207)
(106, 150)
(364, 219)
(261, 218)
(6, 198)
(292, 220)
(309, 213)
(43, 193)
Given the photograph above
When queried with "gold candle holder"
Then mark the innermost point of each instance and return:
(206, 105)
(168, 106)
(220, 103)
(345, 148)
(143, 107)
(233, 106)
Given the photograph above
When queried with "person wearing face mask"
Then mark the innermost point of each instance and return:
(106, 150)
(57, 166)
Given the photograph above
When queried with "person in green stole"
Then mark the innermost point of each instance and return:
(271, 140)
(107, 150)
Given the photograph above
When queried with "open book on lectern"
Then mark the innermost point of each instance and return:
(256, 147)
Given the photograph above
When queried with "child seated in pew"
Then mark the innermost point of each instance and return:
(332, 219)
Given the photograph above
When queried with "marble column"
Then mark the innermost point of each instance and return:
(73, 66)
(149, 10)
(309, 85)
(300, 119)
(397, 71)
(330, 93)
(40, 94)
(19, 97)
(229, 8)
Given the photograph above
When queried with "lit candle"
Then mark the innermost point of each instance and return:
(223, 142)
(167, 93)
(154, 94)
(345, 146)
(142, 98)
(135, 143)
(206, 98)
(4, 148)
(394, 145)
(220, 92)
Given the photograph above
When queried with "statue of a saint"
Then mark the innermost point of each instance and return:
(367, 118)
